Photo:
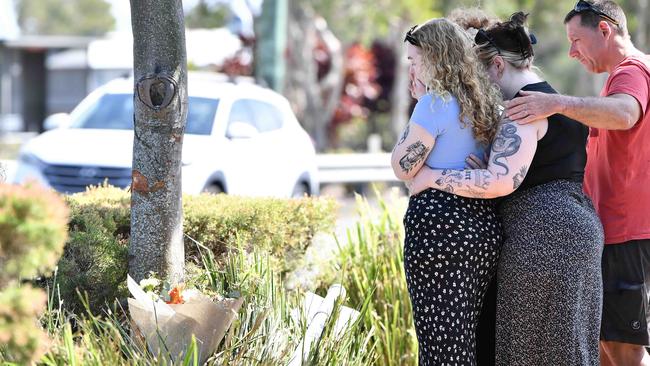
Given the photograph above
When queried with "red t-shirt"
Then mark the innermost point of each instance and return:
(617, 175)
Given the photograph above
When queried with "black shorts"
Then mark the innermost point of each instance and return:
(626, 290)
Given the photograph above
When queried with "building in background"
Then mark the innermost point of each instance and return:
(74, 73)
(24, 78)
(43, 75)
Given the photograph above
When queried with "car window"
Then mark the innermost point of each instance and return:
(264, 116)
(115, 112)
(241, 112)
(200, 115)
(111, 111)
(267, 116)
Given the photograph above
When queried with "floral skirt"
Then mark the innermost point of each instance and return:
(451, 250)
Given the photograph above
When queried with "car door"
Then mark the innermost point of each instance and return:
(276, 172)
(243, 150)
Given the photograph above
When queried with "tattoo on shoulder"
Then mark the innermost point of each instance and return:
(415, 153)
(404, 134)
(518, 178)
(506, 144)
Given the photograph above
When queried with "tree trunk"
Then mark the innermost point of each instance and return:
(400, 98)
(314, 100)
(330, 86)
(160, 100)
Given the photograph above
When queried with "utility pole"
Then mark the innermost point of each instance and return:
(271, 43)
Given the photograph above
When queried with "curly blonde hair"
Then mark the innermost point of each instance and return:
(450, 67)
(472, 19)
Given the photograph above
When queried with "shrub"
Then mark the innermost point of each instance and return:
(284, 227)
(32, 231)
(21, 339)
(95, 258)
(32, 235)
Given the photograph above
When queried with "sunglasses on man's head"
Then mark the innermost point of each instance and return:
(582, 6)
(409, 37)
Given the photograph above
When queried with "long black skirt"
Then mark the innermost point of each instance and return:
(549, 295)
(451, 250)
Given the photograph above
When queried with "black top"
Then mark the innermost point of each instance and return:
(562, 152)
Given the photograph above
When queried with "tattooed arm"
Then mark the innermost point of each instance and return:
(512, 152)
(411, 151)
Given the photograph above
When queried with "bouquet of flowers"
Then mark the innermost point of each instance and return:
(168, 316)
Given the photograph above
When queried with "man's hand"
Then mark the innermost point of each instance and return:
(532, 106)
(420, 181)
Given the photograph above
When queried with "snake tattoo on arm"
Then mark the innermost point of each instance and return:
(506, 144)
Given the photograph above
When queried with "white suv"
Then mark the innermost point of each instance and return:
(240, 139)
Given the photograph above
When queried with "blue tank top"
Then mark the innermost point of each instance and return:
(453, 141)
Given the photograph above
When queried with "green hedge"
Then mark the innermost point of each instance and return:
(95, 257)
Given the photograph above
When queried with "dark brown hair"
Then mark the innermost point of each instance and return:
(508, 39)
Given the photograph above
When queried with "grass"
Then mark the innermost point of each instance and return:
(372, 266)
(265, 332)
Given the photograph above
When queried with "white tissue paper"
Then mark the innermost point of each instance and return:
(168, 328)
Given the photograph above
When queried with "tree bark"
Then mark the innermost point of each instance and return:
(314, 100)
(400, 98)
(160, 101)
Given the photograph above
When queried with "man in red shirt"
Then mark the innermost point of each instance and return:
(617, 174)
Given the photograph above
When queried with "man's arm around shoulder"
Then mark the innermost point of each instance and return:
(613, 112)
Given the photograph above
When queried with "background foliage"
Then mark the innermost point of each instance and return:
(372, 81)
(65, 17)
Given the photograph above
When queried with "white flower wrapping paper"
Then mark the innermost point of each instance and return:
(168, 329)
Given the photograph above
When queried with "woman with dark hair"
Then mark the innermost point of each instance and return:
(549, 278)
(451, 243)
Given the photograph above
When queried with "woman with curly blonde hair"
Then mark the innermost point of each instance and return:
(452, 243)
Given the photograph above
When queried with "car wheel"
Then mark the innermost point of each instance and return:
(300, 190)
(214, 188)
